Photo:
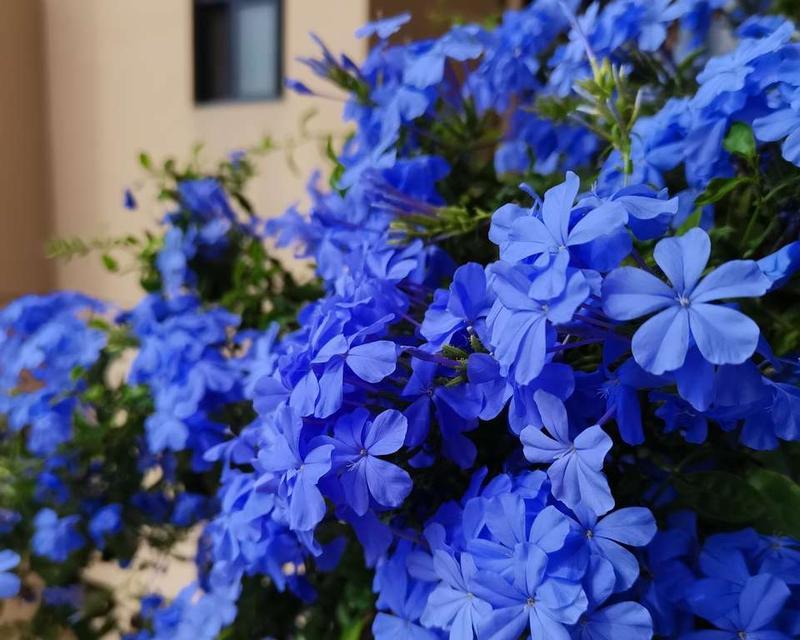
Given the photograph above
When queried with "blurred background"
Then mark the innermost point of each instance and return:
(87, 85)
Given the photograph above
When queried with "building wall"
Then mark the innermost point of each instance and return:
(23, 170)
(119, 78)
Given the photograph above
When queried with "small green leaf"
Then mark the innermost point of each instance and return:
(354, 631)
(721, 496)
(109, 262)
(718, 188)
(144, 160)
(781, 497)
(740, 141)
(691, 222)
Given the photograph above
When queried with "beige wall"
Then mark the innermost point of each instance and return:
(119, 78)
(23, 171)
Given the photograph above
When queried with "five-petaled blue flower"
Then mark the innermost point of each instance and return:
(358, 442)
(723, 335)
(576, 465)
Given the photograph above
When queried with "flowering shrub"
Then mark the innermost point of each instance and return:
(548, 389)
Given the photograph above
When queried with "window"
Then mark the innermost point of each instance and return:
(237, 50)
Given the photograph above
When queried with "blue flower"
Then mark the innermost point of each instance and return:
(55, 538)
(530, 600)
(780, 124)
(383, 28)
(521, 323)
(106, 521)
(753, 617)
(781, 265)
(358, 443)
(723, 335)
(576, 466)
(464, 305)
(129, 201)
(621, 621)
(455, 408)
(9, 583)
(298, 465)
(633, 526)
(550, 238)
(426, 64)
(368, 361)
(452, 605)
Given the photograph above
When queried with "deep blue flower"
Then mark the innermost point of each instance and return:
(129, 201)
(465, 304)
(621, 621)
(723, 335)
(456, 410)
(358, 443)
(753, 617)
(55, 538)
(632, 526)
(107, 521)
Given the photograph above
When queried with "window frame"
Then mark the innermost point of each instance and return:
(233, 39)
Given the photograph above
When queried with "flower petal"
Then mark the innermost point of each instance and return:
(386, 434)
(557, 206)
(598, 222)
(373, 361)
(631, 293)
(554, 415)
(723, 335)
(762, 598)
(683, 258)
(527, 237)
(734, 279)
(634, 526)
(661, 343)
(388, 483)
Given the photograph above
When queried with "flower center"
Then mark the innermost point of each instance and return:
(363, 452)
(683, 300)
(531, 601)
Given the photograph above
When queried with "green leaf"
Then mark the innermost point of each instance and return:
(740, 141)
(718, 188)
(721, 496)
(109, 263)
(354, 631)
(691, 222)
(781, 497)
(144, 160)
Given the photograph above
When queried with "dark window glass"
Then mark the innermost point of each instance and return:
(237, 49)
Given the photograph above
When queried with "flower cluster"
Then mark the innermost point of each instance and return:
(549, 388)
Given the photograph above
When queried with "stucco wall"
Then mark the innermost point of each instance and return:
(119, 78)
